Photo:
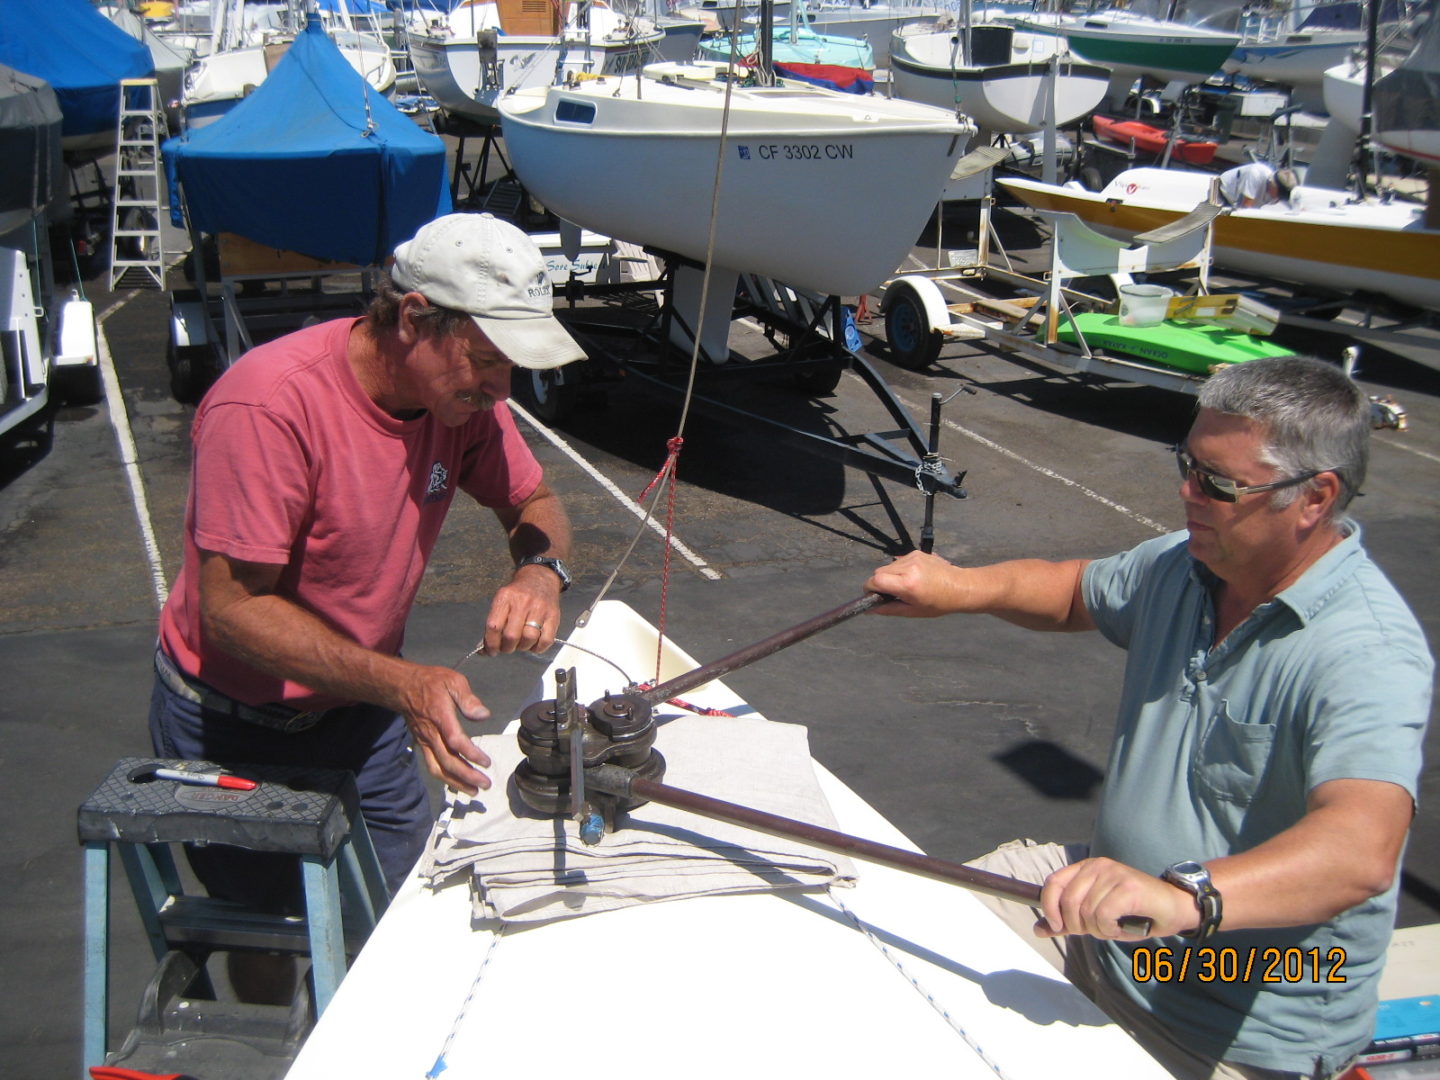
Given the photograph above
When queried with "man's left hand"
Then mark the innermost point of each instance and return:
(1092, 896)
(525, 614)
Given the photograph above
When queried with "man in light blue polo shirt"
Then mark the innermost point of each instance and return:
(1262, 779)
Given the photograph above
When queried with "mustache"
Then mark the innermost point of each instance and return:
(480, 400)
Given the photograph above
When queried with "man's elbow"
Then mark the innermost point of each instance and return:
(1377, 878)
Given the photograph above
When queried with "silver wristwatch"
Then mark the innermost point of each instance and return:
(1195, 879)
(553, 564)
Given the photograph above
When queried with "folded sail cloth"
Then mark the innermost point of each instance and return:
(528, 867)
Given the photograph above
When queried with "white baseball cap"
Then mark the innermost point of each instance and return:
(489, 269)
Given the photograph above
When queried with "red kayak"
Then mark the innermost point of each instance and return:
(1188, 148)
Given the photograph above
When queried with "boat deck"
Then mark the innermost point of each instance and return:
(963, 734)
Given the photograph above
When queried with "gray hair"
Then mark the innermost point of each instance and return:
(383, 312)
(1314, 417)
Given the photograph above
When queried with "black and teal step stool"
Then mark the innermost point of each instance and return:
(312, 814)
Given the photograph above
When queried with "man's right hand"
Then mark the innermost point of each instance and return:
(435, 699)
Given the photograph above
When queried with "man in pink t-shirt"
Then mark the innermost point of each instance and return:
(324, 465)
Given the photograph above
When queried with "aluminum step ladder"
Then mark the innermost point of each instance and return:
(137, 251)
(312, 814)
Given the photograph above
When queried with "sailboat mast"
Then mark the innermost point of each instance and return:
(1367, 95)
(765, 68)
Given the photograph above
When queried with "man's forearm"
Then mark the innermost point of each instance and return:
(538, 526)
(275, 635)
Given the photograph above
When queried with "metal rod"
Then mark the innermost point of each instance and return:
(761, 649)
(620, 781)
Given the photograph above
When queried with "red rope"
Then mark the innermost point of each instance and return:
(681, 703)
(670, 467)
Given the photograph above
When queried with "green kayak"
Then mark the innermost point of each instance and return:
(1194, 347)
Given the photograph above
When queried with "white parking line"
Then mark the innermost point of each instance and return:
(120, 421)
(1043, 470)
(620, 496)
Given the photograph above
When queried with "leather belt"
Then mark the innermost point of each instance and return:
(276, 717)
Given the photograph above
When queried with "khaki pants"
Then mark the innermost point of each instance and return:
(1075, 958)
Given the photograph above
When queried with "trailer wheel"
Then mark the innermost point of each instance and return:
(189, 371)
(819, 379)
(79, 384)
(914, 344)
(550, 394)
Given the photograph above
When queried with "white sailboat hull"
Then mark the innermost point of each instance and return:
(1011, 98)
(215, 84)
(449, 67)
(874, 22)
(1323, 241)
(1298, 61)
(820, 190)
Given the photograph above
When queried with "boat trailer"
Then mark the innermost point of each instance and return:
(647, 327)
(928, 308)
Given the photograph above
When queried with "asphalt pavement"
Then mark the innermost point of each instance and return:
(964, 733)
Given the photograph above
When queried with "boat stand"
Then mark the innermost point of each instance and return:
(815, 342)
(474, 176)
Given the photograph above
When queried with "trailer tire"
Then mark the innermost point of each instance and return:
(820, 379)
(914, 343)
(79, 384)
(550, 393)
(1091, 179)
(189, 371)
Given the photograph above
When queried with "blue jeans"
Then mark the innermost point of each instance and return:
(371, 742)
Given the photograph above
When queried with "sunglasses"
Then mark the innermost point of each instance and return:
(1222, 488)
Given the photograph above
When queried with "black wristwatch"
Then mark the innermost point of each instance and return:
(553, 564)
(1195, 879)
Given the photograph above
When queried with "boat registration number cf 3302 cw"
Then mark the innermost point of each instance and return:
(797, 151)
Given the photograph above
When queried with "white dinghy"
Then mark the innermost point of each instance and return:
(821, 190)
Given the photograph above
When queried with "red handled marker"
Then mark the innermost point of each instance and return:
(220, 780)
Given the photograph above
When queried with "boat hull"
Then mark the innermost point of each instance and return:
(1132, 48)
(1344, 248)
(1010, 98)
(449, 67)
(825, 192)
(875, 23)
(1299, 61)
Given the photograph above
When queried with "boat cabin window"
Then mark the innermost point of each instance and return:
(574, 112)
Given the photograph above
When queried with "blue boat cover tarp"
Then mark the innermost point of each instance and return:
(79, 52)
(314, 161)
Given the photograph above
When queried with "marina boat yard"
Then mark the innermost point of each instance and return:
(962, 735)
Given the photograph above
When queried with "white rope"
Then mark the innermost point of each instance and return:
(440, 1063)
(667, 478)
(914, 982)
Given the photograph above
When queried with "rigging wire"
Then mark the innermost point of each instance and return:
(663, 483)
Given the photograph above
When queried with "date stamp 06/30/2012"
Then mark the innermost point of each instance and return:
(1162, 963)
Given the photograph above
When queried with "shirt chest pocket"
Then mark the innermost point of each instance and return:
(1231, 757)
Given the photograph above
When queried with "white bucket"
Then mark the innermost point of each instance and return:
(1144, 305)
